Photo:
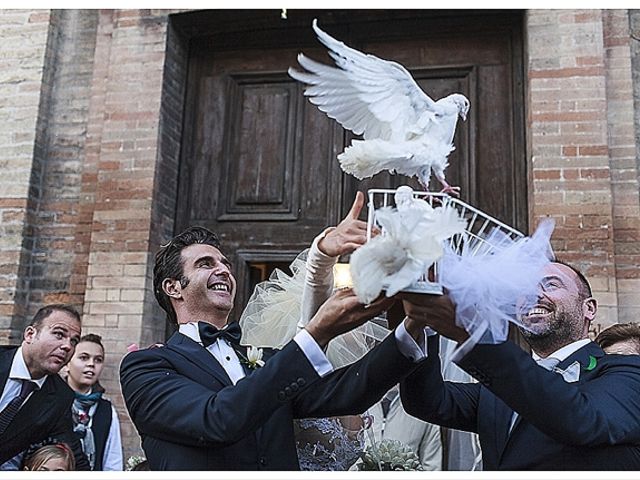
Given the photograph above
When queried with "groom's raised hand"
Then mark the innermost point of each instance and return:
(435, 311)
(349, 234)
(343, 312)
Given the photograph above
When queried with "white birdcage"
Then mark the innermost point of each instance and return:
(479, 225)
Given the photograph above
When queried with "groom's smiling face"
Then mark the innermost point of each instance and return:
(207, 282)
(558, 310)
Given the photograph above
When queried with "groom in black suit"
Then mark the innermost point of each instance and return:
(35, 403)
(570, 407)
(200, 403)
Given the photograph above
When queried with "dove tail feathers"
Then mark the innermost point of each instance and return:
(365, 158)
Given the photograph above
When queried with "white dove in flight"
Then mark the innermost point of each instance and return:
(404, 130)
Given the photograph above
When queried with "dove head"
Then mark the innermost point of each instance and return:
(403, 196)
(462, 103)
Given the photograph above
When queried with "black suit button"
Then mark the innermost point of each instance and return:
(301, 382)
(294, 387)
(263, 461)
(287, 391)
(281, 396)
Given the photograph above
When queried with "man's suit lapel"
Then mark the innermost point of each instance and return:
(6, 358)
(241, 352)
(36, 407)
(199, 356)
(587, 357)
(583, 356)
(503, 416)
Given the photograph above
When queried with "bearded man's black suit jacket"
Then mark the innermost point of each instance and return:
(591, 424)
(190, 416)
(47, 413)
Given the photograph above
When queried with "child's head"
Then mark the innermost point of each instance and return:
(85, 366)
(53, 457)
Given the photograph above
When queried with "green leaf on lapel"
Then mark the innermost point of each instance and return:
(592, 363)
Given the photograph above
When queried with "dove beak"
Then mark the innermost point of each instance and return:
(463, 115)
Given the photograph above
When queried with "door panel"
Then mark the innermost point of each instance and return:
(258, 161)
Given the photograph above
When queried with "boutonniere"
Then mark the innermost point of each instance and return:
(253, 359)
(592, 363)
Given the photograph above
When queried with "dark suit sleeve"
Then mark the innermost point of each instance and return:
(601, 411)
(427, 396)
(354, 388)
(168, 405)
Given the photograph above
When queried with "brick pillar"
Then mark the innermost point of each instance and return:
(569, 143)
(24, 91)
(129, 183)
(58, 201)
(624, 165)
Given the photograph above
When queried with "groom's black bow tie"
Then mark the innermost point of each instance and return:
(209, 334)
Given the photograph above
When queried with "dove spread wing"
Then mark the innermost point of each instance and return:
(366, 94)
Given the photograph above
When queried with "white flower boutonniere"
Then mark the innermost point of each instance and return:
(253, 359)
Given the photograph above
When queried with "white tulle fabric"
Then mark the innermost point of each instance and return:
(274, 313)
(411, 241)
(491, 278)
(276, 310)
(271, 316)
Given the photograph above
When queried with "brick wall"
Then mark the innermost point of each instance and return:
(634, 26)
(581, 143)
(24, 88)
(123, 154)
(624, 163)
(56, 208)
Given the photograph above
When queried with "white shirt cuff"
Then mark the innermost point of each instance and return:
(408, 346)
(313, 352)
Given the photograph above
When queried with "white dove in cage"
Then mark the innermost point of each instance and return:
(405, 200)
(404, 130)
(411, 241)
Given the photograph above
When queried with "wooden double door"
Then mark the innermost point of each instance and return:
(258, 161)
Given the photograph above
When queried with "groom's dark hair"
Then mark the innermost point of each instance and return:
(168, 263)
(584, 288)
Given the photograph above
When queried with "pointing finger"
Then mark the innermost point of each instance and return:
(356, 208)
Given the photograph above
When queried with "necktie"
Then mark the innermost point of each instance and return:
(209, 334)
(14, 405)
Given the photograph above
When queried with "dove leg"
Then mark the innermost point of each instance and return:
(446, 188)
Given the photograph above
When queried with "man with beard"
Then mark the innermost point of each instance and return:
(568, 406)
